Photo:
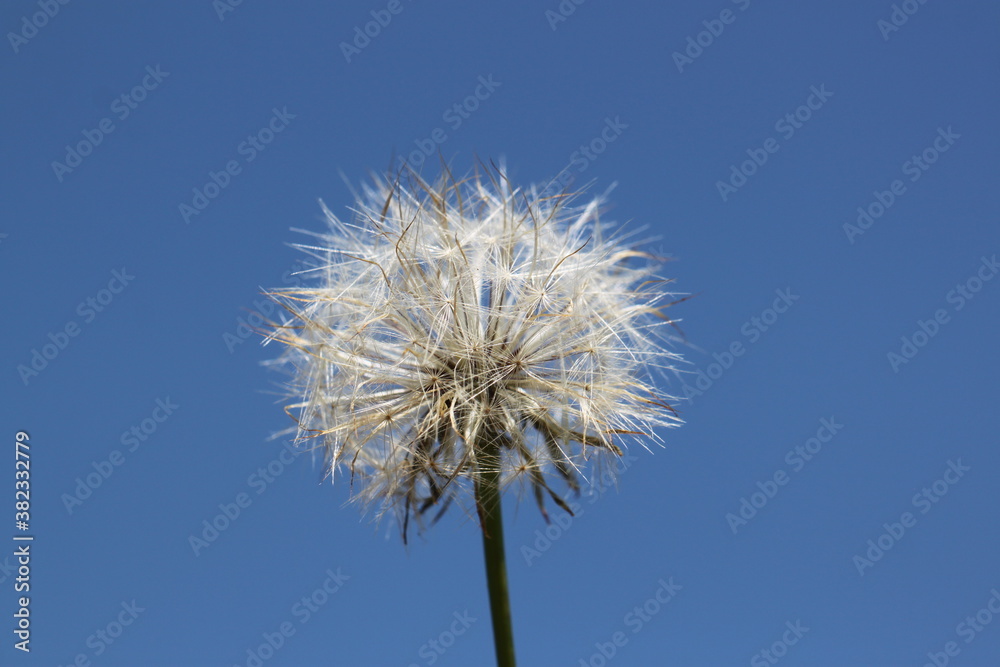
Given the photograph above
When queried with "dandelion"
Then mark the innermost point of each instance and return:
(467, 337)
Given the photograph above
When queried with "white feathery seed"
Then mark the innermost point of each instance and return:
(451, 315)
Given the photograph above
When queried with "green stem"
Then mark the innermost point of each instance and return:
(488, 503)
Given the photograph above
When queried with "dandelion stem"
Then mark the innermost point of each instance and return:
(488, 504)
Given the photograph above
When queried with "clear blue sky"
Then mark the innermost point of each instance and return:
(744, 135)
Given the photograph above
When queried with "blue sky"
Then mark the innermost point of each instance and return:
(822, 173)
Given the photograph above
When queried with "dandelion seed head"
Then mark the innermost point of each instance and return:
(468, 325)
